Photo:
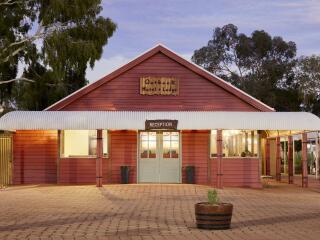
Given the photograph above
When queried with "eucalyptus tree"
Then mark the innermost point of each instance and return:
(307, 80)
(258, 64)
(55, 41)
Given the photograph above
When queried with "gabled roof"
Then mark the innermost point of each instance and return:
(174, 56)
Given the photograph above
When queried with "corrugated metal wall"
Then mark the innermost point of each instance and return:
(195, 92)
(5, 160)
(35, 157)
(195, 152)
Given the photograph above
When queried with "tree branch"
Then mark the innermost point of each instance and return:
(26, 80)
(11, 2)
(42, 32)
(14, 53)
(17, 79)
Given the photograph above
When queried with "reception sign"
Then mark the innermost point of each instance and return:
(161, 124)
(159, 86)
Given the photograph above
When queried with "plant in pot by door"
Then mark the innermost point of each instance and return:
(213, 214)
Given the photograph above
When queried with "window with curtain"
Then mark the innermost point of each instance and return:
(235, 143)
(81, 143)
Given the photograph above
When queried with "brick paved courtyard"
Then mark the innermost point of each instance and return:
(154, 212)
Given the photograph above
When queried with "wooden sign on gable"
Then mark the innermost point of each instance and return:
(159, 86)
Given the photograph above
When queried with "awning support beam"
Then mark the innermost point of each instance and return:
(99, 158)
(219, 160)
(317, 155)
(304, 160)
(278, 160)
(59, 155)
(267, 154)
(290, 160)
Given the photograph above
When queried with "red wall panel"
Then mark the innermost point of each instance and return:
(35, 157)
(196, 92)
(78, 170)
(195, 151)
(123, 151)
(240, 172)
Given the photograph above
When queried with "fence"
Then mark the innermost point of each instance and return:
(5, 160)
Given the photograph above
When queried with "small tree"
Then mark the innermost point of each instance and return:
(213, 197)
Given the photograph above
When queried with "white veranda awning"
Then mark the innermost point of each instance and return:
(52, 120)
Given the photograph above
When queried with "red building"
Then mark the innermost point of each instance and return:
(197, 119)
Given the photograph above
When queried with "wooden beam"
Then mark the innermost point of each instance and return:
(99, 158)
(317, 155)
(267, 154)
(209, 165)
(219, 159)
(58, 157)
(290, 160)
(304, 160)
(259, 152)
(252, 143)
(278, 160)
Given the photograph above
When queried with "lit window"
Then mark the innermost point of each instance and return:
(81, 143)
(213, 143)
(105, 143)
(148, 143)
(170, 145)
(239, 143)
(235, 143)
(78, 143)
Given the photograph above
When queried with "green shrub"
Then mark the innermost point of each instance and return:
(213, 196)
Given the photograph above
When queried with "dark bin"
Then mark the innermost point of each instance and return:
(124, 174)
(190, 172)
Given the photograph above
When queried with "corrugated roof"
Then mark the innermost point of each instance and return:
(45, 120)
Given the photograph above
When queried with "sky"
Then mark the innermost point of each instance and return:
(186, 25)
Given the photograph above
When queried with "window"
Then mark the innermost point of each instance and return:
(81, 143)
(312, 152)
(235, 143)
(105, 143)
(148, 143)
(297, 153)
(284, 154)
(170, 145)
(213, 143)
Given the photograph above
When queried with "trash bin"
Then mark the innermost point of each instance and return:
(124, 174)
(190, 172)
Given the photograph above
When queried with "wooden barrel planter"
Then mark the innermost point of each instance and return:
(209, 216)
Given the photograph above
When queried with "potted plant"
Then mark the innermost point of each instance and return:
(213, 214)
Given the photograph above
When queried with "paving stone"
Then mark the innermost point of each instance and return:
(164, 211)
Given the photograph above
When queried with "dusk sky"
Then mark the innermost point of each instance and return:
(186, 25)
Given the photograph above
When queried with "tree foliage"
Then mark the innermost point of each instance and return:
(56, 41)
(259, 64)
(307, 80)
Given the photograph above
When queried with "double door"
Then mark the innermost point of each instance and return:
(159, 157)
